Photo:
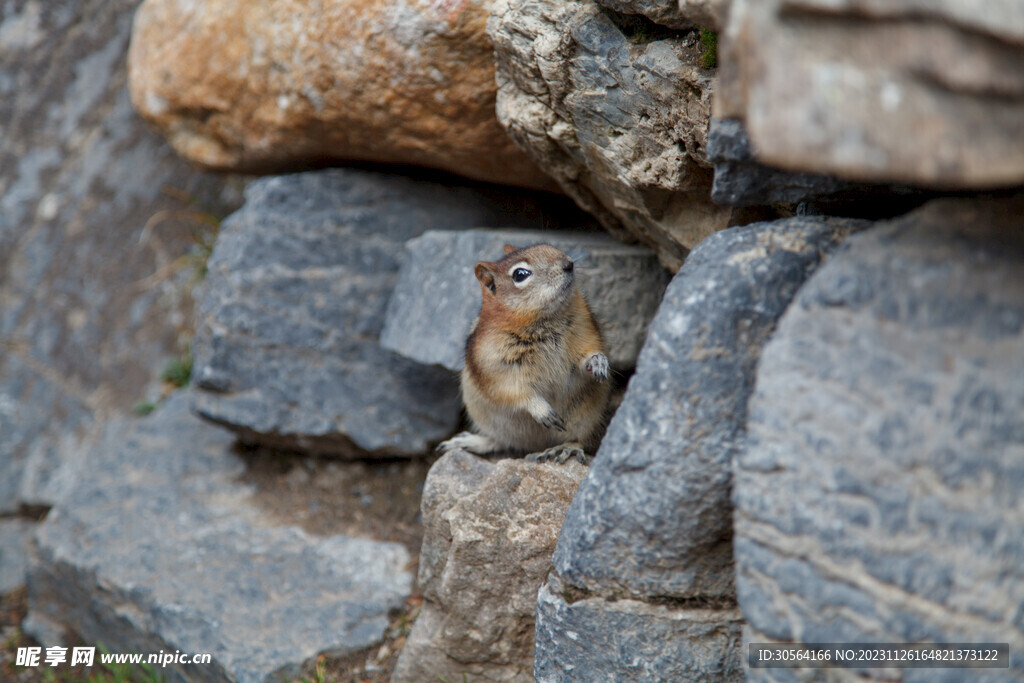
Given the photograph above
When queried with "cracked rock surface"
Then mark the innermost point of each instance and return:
(490, 529)
(157, 547)
(616, 110)
(878, 499)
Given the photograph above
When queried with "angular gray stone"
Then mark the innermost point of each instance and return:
(879, 496)
(85, 321)
(157, 548)
(438, 298)
(594, 639)
(490, 529)
(14, 540)
(653, 517)
(741, 181)
(617, 113)
(878, 91)
(287, 351)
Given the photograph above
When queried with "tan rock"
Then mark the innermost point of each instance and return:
(925, 92)
(264, 86)
(491, 529)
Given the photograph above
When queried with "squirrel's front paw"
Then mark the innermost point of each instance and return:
(541, 411)
(597, 365)
(552, 420)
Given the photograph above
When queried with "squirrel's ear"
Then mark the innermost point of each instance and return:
(509, 249)
(485, 276)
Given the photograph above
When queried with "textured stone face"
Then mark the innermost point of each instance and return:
(709, 14)
(437, 297)
(663, 12)
(14, 538)
(620, 121)
(490, 529)
(927, 93)
(595, 639)
(91, 304)
(654, 517)
(156, 547)
(262, 86)
(286, 351)
(741, 181)
(879, 497)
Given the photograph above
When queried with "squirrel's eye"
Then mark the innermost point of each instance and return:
(520, 274)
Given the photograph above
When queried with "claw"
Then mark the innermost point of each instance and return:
(561, 454)
(597, 365)
(553, 421)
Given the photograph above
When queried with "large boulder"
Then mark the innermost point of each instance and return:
(908, 91)
(616, 109)
(645, 554)
(878, 499)
(286, 350)
(654, 517)
(157, 547)
(490, 529)
(266, 86)
(92, 301)
(437, 297)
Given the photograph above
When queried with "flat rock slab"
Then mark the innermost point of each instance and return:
(490, 529)
(157, 548)
(654, 518)
(594, 639)
(879, 499)
(842, 87)
(287, 351)
(438, 297)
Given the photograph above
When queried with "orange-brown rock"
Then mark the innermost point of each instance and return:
(262, 86)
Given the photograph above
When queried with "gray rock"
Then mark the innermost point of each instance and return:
(878, 91)
(709, 14)
(878, 499)
(654, 517)
(438, 298)
(14, 539)
(490, 529)
(617, 113)
(157, 548)
(662, 12)
(91, 303)
(287, 347)
(594, 639)
(741, 181)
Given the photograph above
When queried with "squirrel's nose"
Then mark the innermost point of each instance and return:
(567, 265)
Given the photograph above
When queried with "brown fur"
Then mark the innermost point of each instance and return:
(526, 371)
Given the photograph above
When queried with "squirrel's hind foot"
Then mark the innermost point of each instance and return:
(468, 441)
(561, 454)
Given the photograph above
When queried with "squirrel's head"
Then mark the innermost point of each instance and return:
(530, 280)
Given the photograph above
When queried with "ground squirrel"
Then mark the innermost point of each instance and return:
(536, 376)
